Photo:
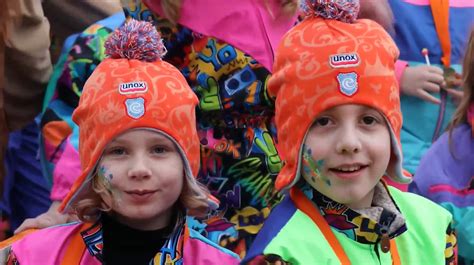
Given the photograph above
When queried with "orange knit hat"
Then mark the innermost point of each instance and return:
(332, 59)
(134, 88)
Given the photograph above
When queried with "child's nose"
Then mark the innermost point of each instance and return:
(348, 142)
(139, 170)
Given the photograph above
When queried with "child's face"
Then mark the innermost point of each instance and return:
(146, 173)
(347, 151)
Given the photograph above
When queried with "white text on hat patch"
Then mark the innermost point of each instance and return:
(344, 60)
(348, 84)
(136, 87)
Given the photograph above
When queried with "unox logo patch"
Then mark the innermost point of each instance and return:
(344, 60)
(136, 87)
(135, 107)
(348, 84)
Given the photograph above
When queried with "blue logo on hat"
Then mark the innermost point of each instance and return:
(348, 83)
(135, 107)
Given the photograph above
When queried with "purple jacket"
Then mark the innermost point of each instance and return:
(446, 176)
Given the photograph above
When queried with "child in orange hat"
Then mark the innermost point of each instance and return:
(139, 152)
(338, 122)
(228, 69)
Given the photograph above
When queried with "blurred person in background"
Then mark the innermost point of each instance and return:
(26, 56)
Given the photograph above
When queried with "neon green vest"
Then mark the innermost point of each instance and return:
(301, 242)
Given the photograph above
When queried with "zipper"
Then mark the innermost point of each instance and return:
(384, 242)
(385, 239)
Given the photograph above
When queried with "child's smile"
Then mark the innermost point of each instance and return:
(141, 195)
(348, 171)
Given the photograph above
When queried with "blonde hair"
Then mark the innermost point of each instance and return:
(172, 8)
(460, 116)
(193, 198)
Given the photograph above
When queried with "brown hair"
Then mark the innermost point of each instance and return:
(171, 8)
(460, 116)
(193, 198)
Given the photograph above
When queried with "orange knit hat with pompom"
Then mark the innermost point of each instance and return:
(327, 60)
(134, 88)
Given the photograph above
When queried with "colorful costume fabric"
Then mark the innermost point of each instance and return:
(446, 176)
(423, 122)
(52, 246)
(239, 159)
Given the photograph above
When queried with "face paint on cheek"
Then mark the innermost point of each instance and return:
(320, 164)
(313, 168)
(103, 173)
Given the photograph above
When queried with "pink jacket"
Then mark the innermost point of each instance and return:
(50, 245)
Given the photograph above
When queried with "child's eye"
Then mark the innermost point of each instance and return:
(117, 151)
(323, 121)
(159, 149)
(369, 120)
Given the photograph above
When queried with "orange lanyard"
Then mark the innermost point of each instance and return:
(76, 247)
(304, 204)
(9, 241)
(440, 11)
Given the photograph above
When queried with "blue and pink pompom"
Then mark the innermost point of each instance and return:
(341, 10)
(137, 40)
